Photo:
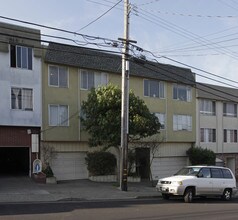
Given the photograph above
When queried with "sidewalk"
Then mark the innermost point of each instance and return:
(23, 189)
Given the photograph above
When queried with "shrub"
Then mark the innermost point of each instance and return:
(48, 171)
(198, 156)
(101, 163)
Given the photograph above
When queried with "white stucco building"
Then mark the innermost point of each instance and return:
(217, 123)
(20, 89)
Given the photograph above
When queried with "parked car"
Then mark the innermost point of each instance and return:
(203, 181)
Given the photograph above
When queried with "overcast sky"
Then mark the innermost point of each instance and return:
(202, 34)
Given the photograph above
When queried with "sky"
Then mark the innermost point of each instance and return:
(201, 35)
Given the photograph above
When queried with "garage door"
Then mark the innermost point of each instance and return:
(167, 166)
(69, 165)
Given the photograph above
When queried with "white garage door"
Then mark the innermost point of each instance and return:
(167, 166)
(69, 165)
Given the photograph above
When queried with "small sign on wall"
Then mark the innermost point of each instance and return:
(37, 166)
(35, 143)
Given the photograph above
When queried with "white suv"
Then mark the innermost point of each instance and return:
(201, 181)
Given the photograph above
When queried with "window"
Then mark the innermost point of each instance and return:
(208, 135)
(161, 118)
(58, 115)
(21, 57)
(230, 136)
(230, 109)
(182, 122)
(216, 173)
(205, 173)
(226, 174)
(182, 93)
(207, 107)
(91, 79)
(58, 76)
(22, 99)
(153, 88)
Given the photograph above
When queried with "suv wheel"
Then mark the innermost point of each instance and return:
(165, 196)
(227, 195)
(188, 195)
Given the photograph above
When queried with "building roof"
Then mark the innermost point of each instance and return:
(95, 59)
(215, 92)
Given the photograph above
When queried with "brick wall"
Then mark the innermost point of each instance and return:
(15, 136)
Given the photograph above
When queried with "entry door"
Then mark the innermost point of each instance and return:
(143, 162)
(231, 163)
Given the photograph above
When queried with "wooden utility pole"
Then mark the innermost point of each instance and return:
(125, 99)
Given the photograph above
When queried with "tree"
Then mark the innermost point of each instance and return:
(101, 117)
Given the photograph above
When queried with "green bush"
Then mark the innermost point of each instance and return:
(198, 156)
(48, 171)
(101, 163)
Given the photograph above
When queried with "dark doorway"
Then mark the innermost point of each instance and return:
(143, 162)
(14, 160)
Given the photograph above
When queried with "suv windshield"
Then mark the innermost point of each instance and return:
(188, 171)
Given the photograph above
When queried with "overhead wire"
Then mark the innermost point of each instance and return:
(205, 45)
(183, 32)
(228, 5)
(185, 43)
(120, 53)
(99, 16)
(192, 67)
(181, 80)
(92, 37)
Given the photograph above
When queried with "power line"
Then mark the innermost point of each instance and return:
(149, 52)
(192, 15)
(181, 81)
(188, 44)
(89, 37)
(206, 43)
(148, 3)
(190, 66)
(100, 16)
(228, 5)
(183, 32)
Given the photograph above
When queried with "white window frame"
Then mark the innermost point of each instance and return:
(58, 76)
(59, 122)
(161, 89)
(99, 78)
(178, 88)
(162, 120)
(207, 107)
(25, 103)
(226, 107)
(19, 61)
(208, 135)
(182, 122)
(230, 136)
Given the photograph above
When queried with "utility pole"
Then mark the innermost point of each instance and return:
(125, 99)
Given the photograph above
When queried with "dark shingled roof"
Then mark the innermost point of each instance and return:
(214, 92)
(95, 59)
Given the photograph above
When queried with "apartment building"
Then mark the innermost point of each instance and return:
(20, 106)
(69, 72)
(217, 123)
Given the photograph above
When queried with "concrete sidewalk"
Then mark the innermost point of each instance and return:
(23, 189)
